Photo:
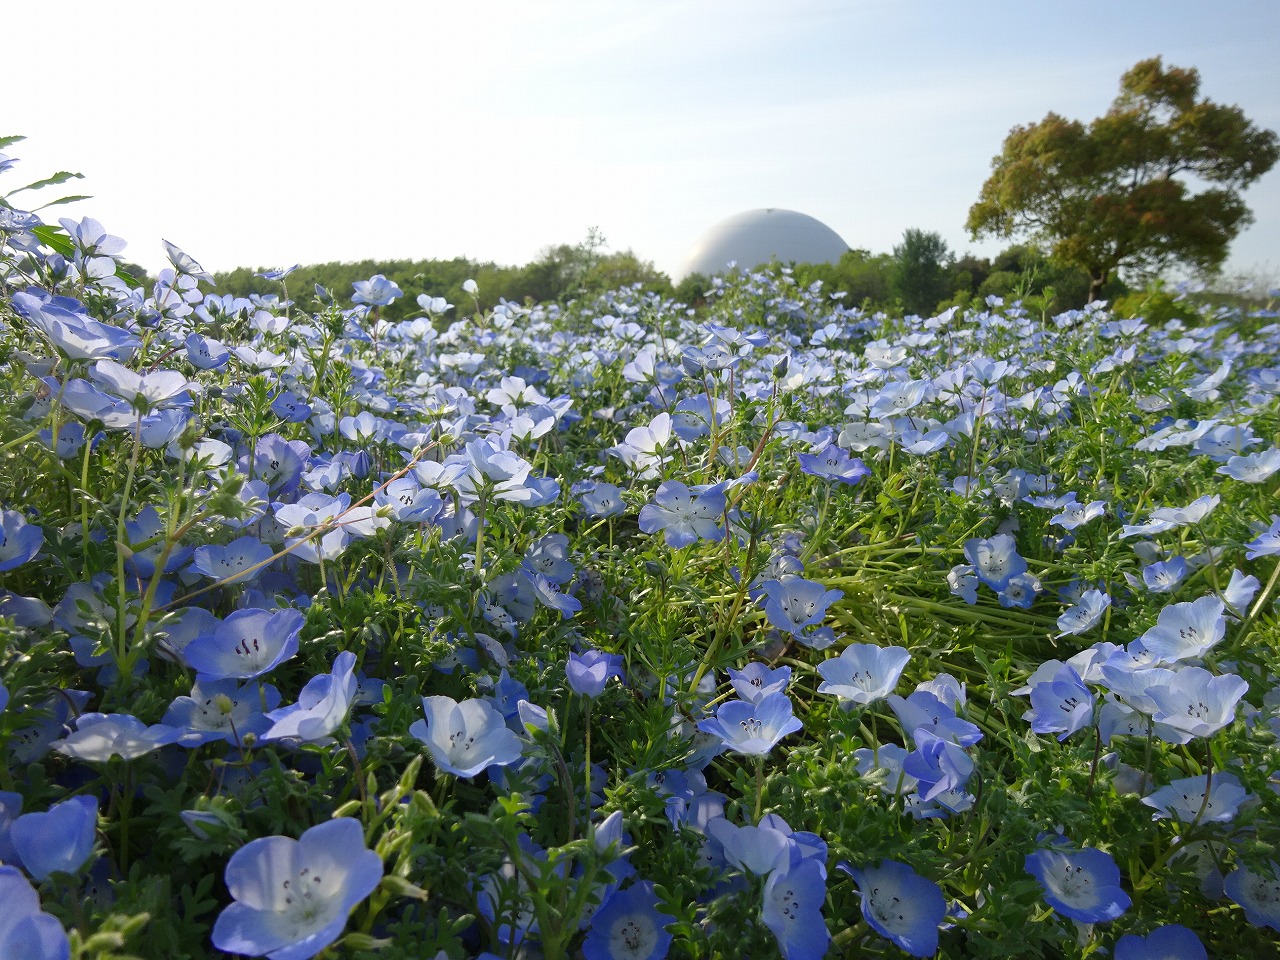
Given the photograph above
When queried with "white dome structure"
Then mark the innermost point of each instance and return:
(758, 236)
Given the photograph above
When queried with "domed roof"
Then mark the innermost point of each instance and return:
(758, 236)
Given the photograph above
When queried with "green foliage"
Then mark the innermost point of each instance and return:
(920, 271)
(1115, 195)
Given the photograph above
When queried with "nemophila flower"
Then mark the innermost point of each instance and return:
(1019, 591)
(753, 729)
(863, 673)
(901, 905)
(794, 603)
(89, 403)
(995, 561)
(1186, 631)
(1163, 576)
(603, 500)
(143, 392)
(549, 556)
(408, 502)
(247, 644)
(754, 849)
(756, 680)
(292, 897)
(244, 558)
(832, 463)
(550, 594)
(629, 927)
(1195, 703)
(100, 736)
(19, 541)
(221, 710)
(59, 840)
(884, 765)
(1170, 518)
(464, 738)
(589, 671)
(1185, 799)
(1257, 892)
(1063, 705)
(1085, 614)
(1170, 942)
(937, 765)
(377, 291)
(1239, 594)
(646, 449)
(963, 582)
(684, 514)
(1266, 544)
(792, 909)
(322, 705)
(26, 931)
(70, 330)
(1082, 886)
(1253, 468)
(1074, 515)
(924, 710)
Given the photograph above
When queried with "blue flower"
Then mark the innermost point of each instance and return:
(58, 840)
(863, 673)
(1186, 631)
(685, 515)
(753, 728)
(377, 291)
(26, 931)
(1267, 543)
(293, 897)
(1087, 612)
(464, 738)
(1184, 799)
(19, 540)
(221, 710)
(629, 927)
(234, 562)
(832, 463)
(1170, 942)
(794, 603)
(322, 705)
(995, 561)
(1192, 702)
(756, 680)
(1062, 705)
(588, 672)
(901, 905)
(1083, 886)
(1258, 893)
(247, 644)
(792, 909)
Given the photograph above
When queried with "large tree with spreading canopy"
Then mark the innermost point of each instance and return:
(1154, 182)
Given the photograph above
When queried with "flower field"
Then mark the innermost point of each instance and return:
(618, 629)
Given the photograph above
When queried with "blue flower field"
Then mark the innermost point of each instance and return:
(621, 629)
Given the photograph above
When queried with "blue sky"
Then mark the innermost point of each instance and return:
(267, 133)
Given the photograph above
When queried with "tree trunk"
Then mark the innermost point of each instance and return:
(1097, 279)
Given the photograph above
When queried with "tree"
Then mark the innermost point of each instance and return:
(1112, 196)
(920, 276)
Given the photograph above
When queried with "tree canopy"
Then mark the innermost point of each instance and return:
(1120, 193)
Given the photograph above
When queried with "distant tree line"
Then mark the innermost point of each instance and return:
(560, 273)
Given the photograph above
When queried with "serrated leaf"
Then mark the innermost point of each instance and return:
(10, 141)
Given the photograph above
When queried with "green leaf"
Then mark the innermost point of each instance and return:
(54, 203)
(62, 176)
(10, 141)
(55, 239)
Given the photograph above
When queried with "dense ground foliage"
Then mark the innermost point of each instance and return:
(617, 630)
